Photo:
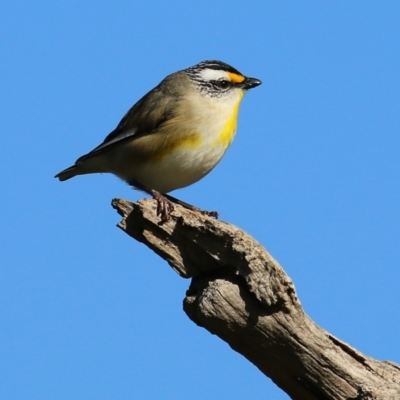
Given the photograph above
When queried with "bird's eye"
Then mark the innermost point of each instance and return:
(222, 84)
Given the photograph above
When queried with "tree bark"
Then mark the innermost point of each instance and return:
(241, 294)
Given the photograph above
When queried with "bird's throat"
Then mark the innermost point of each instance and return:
(228, 132)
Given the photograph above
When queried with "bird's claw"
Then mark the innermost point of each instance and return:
(212, 214)
(164, 207)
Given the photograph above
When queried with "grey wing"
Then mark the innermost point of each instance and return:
(144, 118)
(117, 138)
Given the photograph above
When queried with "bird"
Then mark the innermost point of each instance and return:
(174, 135)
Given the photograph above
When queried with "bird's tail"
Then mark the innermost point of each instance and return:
(68, 173)
(86, 164)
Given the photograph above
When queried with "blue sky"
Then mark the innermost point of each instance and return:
(313, 174)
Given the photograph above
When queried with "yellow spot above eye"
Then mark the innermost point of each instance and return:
(236, 77)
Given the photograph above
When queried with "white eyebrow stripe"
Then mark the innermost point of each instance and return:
(213, 74)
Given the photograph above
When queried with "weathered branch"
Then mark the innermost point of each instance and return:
(240, 293)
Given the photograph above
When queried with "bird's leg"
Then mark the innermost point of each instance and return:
(213, 214)
(165, 203)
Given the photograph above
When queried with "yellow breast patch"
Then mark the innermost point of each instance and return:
(228, 132)
(175, 142)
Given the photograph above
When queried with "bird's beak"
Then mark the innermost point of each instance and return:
(250, 83)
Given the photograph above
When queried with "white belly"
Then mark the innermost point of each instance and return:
(179, 169)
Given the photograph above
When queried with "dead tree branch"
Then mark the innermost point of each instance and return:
(241, 294)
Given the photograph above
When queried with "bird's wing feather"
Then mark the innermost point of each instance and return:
(144, 118)
(117, 137)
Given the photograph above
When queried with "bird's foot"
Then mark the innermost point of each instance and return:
(164, 206)
(213, 214)
(165, 203)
